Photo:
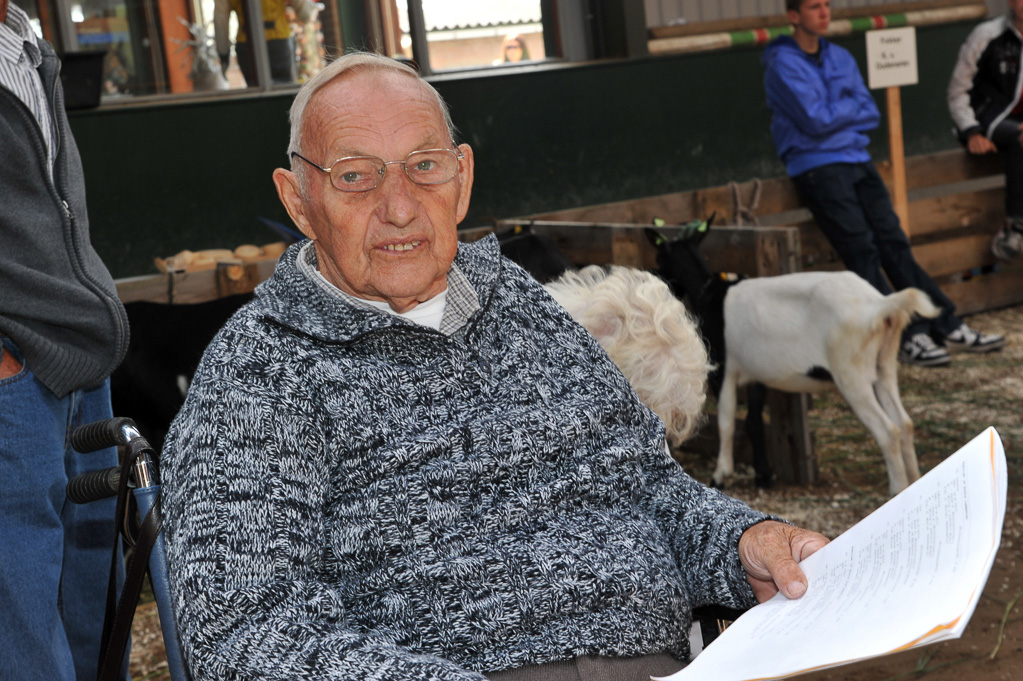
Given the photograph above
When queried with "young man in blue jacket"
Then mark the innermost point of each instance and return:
(986, 105)
(822, 112)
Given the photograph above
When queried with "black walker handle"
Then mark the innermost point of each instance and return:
(94, 485)
(103, 483)
(98, 435)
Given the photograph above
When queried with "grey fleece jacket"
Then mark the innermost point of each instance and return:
(57, 299)
(351, 496)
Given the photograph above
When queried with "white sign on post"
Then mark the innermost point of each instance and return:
(891, 57)
(891, 63)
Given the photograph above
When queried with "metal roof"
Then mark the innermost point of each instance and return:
(443, 15)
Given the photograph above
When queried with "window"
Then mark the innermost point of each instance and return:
(443, 36)
(159, 47)
(292, 36)
(465, 35)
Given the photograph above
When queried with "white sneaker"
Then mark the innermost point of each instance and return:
(1008, 241)
(966, 339)
(922, 351)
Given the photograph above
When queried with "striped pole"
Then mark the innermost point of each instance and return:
(840, 27)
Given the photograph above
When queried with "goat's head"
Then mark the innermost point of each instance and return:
(679, 259)
(536, 253)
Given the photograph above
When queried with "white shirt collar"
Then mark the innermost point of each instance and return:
(17, 38)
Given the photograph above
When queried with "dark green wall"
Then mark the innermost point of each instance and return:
(169, 177)
(163, 179)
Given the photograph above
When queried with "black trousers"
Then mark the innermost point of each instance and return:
(852, 207)
(1006, 138)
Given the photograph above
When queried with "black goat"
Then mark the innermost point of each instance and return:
(686, 272)
(535, 253)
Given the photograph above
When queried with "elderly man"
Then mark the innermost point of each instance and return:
(403, 460)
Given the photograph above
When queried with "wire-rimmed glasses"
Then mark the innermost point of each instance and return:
(362, 173)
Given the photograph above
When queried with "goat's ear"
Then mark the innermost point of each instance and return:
(655, 238)
(701, 228)
(694, 229)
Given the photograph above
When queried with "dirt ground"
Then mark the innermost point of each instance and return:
(949, 406)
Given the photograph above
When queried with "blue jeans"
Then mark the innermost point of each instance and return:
(852, 207)
(54, 555)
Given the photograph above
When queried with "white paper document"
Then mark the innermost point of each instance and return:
(909, 574)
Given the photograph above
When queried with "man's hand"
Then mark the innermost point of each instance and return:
(770, 550)
(9, 364)
(978, 144)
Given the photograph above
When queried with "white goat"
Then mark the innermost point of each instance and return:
(648, 334)
(802, 332)
(816, 331)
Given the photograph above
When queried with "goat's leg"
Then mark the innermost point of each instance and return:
(756, 398)
(726, 429)
(859, 393)
(886, 388)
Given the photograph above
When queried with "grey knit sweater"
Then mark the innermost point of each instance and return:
(352, 496)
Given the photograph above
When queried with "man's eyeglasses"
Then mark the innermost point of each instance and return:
(362, 173)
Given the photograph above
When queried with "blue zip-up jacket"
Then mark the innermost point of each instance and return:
(821, 109)
(350, 496)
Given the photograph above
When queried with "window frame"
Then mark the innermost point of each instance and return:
(565, 30)
(571, 31)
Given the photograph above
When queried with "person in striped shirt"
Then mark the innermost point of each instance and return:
(62, 332)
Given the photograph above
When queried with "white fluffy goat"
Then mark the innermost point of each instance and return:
(649, 335)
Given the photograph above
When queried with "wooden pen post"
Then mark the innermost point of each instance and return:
(900, 197)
